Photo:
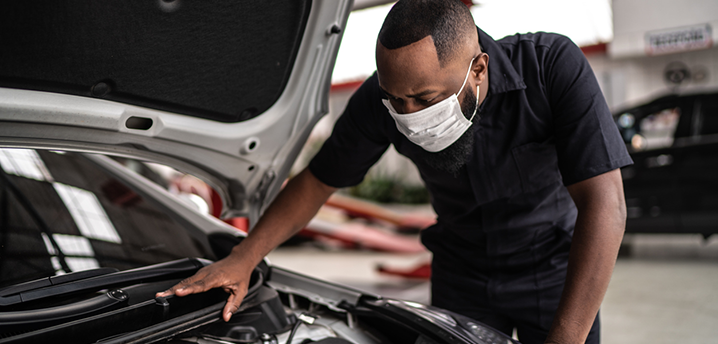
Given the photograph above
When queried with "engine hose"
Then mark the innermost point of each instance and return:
(294, 331)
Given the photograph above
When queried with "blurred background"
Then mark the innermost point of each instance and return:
(657, 64)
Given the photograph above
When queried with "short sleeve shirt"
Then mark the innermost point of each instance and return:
(544, 124)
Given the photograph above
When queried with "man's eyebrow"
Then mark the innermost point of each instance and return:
(422, 93)
(416, 95)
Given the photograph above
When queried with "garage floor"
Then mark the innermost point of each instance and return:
(666, 291)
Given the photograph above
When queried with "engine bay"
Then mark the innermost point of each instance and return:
(133, 314)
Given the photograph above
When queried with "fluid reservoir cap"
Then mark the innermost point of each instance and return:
(161, 301)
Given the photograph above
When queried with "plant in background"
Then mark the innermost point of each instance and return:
(385, 189)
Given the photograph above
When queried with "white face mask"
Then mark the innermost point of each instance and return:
(437, 126)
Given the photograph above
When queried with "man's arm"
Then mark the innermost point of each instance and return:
(599, 230)
(295, 205)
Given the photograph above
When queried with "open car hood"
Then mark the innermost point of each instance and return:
(226, 92)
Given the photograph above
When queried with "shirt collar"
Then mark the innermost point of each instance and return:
(502, 74)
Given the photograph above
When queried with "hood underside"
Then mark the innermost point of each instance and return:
(226, 62)
(227, 92)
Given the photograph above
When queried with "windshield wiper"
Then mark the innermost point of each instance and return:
(39, 289)
(54, 280)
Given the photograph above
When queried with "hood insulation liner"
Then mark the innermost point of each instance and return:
(226, 61)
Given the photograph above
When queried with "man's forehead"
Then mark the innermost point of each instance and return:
(421, 52)
(414, 68)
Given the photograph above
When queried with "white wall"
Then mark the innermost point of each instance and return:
(632, 19)
(631, 73)
(631, 81)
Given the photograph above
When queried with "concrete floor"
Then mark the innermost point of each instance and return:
(665, 292)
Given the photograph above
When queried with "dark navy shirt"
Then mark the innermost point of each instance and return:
(544, 124)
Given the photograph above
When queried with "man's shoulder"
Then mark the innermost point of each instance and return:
(535, 40)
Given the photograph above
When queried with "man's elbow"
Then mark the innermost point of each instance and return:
(614, 205)
(620, 212)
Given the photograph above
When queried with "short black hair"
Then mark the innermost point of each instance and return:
(446, 21)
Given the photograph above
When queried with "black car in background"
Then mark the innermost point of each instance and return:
(673, 185)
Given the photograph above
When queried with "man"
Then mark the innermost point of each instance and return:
(516, 153)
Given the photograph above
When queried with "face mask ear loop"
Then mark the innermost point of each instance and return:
(476, 108)
(466, 77)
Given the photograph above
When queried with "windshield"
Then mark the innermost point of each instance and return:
(60, 213)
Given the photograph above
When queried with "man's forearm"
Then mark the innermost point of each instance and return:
(295, 205)
(597, 238)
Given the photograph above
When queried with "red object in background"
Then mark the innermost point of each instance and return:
(356, 235)
(422, 271)
(357, 208)
(351, 234)
(215, 203)
(241, 223)
(360, 235)
(600, 48)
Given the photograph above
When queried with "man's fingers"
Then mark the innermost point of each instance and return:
(187, 286)
(229, 308)
(233, 301)
(165, 293)
(191, 287)
(170, 291)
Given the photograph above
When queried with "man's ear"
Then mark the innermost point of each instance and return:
(481, 68)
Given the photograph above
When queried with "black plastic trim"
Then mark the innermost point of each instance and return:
(190, 321)
(94, 304)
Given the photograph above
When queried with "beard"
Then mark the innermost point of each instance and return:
(451, 159)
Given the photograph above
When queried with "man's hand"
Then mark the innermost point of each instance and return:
(229, 274)
(295, 205)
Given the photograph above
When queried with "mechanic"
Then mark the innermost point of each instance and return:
(520, 155)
